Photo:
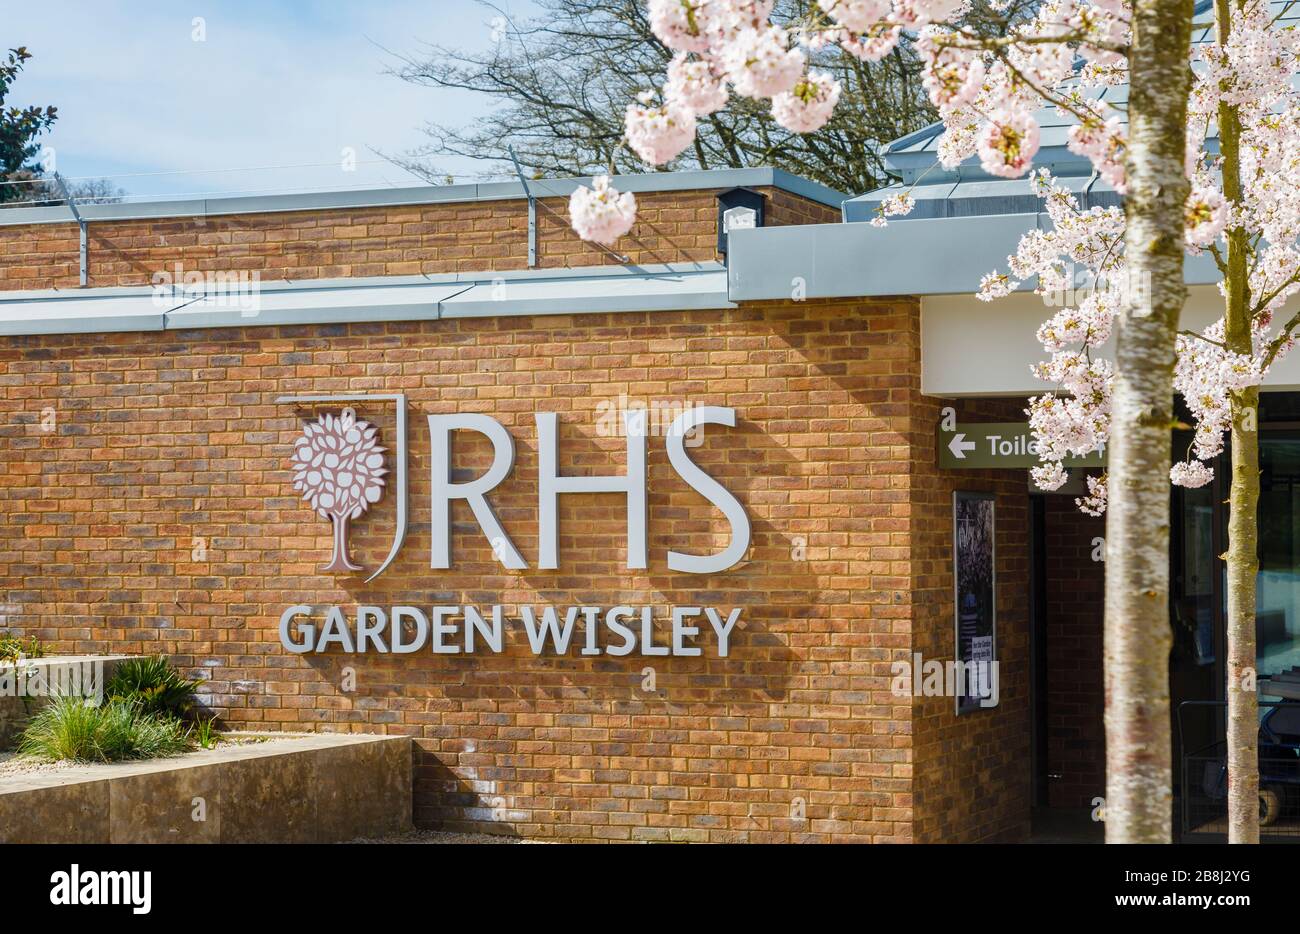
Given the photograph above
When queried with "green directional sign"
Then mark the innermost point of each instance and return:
(978, 445)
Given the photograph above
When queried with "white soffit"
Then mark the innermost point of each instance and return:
(974, 348)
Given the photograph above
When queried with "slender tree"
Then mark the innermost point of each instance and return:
(1243, 209)
(1251, 64)
(1137, 635)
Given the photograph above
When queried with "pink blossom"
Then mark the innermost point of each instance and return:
(953, 77)
(914, 13)
(695, 86)
(1050, 476)
(1104, 22)
(600, 213)
(680, 24)
(1008, 143)
(1190, 474)
(659, 134)
(734, 16)
(808, 105)
(1104, 143)
(761, 63)
(893, 206)
(874, 44)
(1094, 504)
(1089, 323)
(1206, 214)
(857, 15)
(960, 137)
(994, 285)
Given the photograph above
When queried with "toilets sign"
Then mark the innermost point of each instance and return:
(980, 445)
(341, 468)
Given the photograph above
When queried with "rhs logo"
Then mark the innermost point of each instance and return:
(339, 466)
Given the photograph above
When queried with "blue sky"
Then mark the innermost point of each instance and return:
(270, 83)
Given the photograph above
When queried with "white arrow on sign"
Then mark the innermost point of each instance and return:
(959, 446)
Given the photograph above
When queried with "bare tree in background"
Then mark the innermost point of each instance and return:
(44, 191)
(563, 80)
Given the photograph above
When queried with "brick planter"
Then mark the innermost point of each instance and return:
(322, 788)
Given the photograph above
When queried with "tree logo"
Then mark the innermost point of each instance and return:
(339, 467)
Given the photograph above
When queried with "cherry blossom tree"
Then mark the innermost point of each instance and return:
(1243, 162)
(989, 75)
(339, 466)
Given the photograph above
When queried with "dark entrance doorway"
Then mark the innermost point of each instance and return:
(1068, 588)
(1199, 687)
(1069, 742)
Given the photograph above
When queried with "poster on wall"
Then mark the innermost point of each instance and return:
(974, 593)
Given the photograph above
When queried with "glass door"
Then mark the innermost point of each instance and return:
(1277, 626)
(1196, 618)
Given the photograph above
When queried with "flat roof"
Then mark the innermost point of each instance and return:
(424, 194)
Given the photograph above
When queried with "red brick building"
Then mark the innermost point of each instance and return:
(151, 414)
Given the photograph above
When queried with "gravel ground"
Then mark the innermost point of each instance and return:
(435, 836)
(14, 766)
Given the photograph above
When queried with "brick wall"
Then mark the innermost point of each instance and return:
(973, 771)
(156, 514)
(164, 441)
(672, 226)
(1076, 740)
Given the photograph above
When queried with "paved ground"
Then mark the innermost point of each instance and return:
(435, 836)
(1066, 825)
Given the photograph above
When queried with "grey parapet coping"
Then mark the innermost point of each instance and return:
(424, 194)
(243, 303)
(78, 313)
(663, 290)
(932, 256)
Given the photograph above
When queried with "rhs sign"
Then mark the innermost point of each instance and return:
(339, 467)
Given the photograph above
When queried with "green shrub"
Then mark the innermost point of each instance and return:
(12, 646)
(153, 685)
(69, 728)
(205, 733)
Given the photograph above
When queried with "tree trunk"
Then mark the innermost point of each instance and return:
(340, 562)
(1243, 567)
(1137, 633)
(1243, 533)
